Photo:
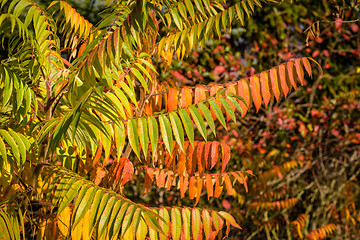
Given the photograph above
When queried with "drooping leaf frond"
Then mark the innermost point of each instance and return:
(98, 210)
(322, 232)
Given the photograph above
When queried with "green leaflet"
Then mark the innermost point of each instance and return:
(163, 212)
(129, 92)
(166, 133)
(142, 230)
(235, 103)
(132, 131)
(143, 134)
(144, 71)
(177, 129)
(127, 219)
(83, 202)
(208, 117)
(228, 108)
(123, 99)
(104, 219)
(140, 77)
(215, 107)
(120, 137)
(136, 220)
(154, 133)
(117, 104)
(199, 121)
(186, 215)
(206, 223)
(188, 125)
(119, 218)
(176, 223)
(70, 195)
(12, 144)
(113, 216)
(21, 144)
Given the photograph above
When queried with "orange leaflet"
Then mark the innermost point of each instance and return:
(206, 155)
(290, 71)
(209, 186)
(227, 183)
(172, 100)
(182, 159)
(200, 93)
(240, 177)
(214, 153)
(218, 188)
(148, 108)
(98, 153)
(184, 184)
(158, 99)
(275, 83)
(307, 65)
(82, 48)
(199, 186)
(283, 83)
(186, 97)
(265, 87)
(299, 70)
(255, 91)
(225, 155)
(192, 188)
(169, 181)
(160, 178)
(244, 92)
(189, 159)
(149, 176)
(200, 159)
(127, 172)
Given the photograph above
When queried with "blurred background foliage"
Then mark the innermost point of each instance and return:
(304, 151)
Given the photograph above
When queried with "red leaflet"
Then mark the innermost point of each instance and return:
(255, 91)
(290, 70)
(265, 87)
(282, 74)
(214, 153)
(275, 83)
(172, 100)
(127, 172)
